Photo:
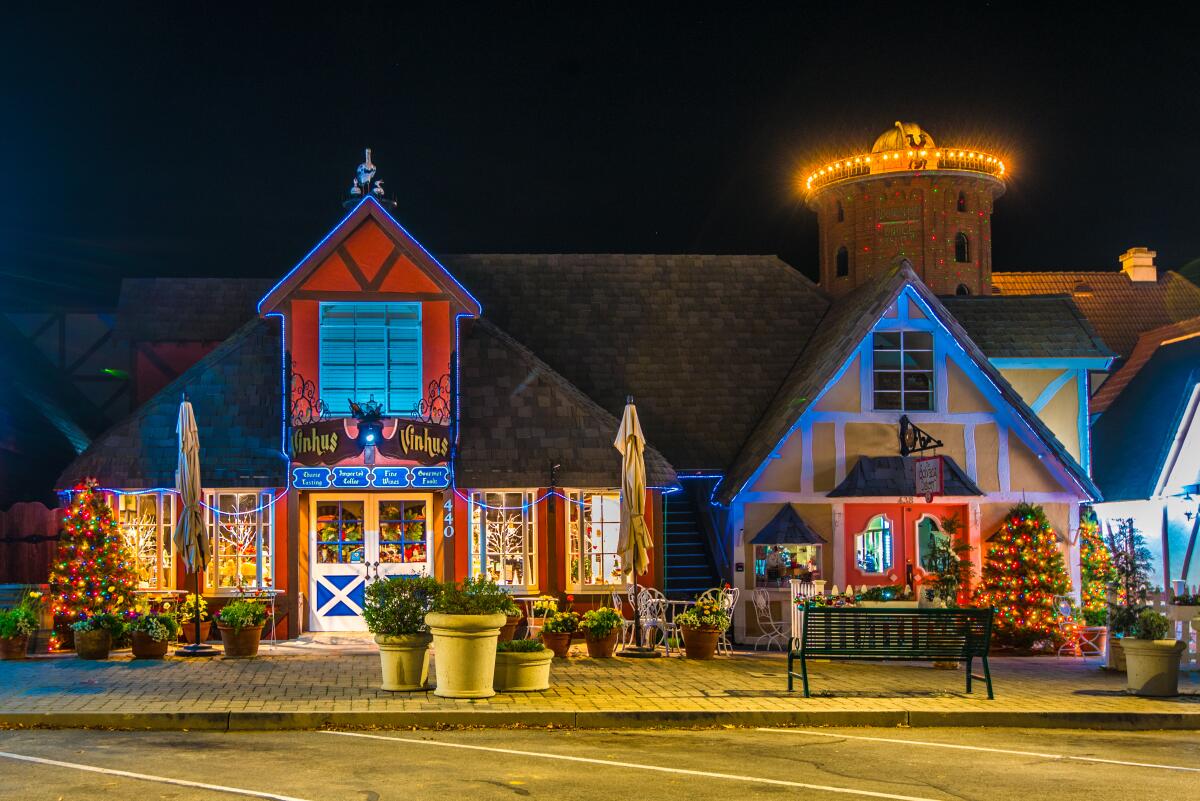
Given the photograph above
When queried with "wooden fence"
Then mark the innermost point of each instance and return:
(28, 538)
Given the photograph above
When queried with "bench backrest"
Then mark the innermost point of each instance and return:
(897, 633)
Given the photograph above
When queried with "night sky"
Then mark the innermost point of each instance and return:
(154, 140)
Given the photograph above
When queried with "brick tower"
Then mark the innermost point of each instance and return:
(907, 198)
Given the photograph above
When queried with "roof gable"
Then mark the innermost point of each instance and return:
(369, 251)
(1147, 345)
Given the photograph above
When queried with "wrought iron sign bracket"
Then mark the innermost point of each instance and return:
(914, 439)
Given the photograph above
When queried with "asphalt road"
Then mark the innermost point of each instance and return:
(920, 764)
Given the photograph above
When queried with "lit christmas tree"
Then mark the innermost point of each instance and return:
(92, 571)
(1096, 568)
(1022, 575)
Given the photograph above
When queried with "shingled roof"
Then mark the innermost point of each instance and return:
(875, 476)
(1118, 308)
(1050, 326)
(519, 417)
(701, 342)
(235, 392)
(186, 309)
(845, 325)
(1147, 345)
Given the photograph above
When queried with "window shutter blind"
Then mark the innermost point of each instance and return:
(371, 350)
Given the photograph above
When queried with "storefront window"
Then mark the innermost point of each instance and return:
(873, 546)
(594, 530)
(774, 565)
(340, 527)
(241, 529)
(147, 522)
(503, 538)
(401, 531)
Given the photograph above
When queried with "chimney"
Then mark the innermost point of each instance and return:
(1138, 264)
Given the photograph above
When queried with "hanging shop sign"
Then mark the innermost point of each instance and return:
(928, 479)
(328, 442)
(424, 478)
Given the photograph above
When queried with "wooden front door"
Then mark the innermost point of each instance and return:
(887, 543)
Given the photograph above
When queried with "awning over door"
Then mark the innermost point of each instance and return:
(789, 528)
(893, 475)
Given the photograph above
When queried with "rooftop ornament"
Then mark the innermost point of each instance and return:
(364, 181)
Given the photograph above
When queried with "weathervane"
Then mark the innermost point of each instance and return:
(364, 182)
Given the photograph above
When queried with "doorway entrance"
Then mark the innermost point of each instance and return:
(889, 543)
(356, 539)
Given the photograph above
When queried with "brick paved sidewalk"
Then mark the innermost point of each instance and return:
(341, 681)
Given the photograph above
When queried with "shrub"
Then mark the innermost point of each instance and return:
(1131, 563)
(520, 646)
(599, 623)
(705, 614)
(512, 608)
(187, 610)
(887, 593)
(101, 621)
(474, 596)
(17, 622)
(545, 605)
(399, 605)
(157, 627)
(562, 622)
(1151, 625)
(242, 614)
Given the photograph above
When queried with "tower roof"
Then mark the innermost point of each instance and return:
(903, 135)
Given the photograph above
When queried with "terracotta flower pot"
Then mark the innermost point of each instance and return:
(700, 643)
(146, 647)
(93, 644)
(602, 647)
(240, 643)
(509, 629)
(557, 641)
(187, 632)
(14, 647)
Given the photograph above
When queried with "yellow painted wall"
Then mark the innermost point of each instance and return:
(783, 474)
(953, 443)
(1061, 415)
(870, 439)
(1030, 383)
(964, 397)
(991, 517)
(987, 457)
(844, 396)
(1026, 471)
(824, 457)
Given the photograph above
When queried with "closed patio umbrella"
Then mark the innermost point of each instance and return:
(634, 543)
(190, 538)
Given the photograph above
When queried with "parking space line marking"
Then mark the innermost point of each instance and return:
(982, 748)
(637, 766)
(220, 788)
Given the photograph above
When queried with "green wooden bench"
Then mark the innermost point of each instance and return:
(909, 635)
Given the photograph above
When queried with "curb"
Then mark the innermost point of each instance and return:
(596, 719)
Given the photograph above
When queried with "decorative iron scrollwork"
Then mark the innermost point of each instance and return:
(306, 407)
(914, 439)
(435, 406)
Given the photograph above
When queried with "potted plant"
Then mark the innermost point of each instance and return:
(395, 612)
(94, 635)
(1152, 660)
(149, 634)
(1129, 595)
(513, 612)
(522, 666)
(16, 625)
(194, 606)
(465, 622)
(701, 625)
(558, 630)
(600, 630)
(241, 623)
(543, 607)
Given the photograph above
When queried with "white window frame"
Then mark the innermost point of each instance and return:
(904, 393)
(149, 537)
(883, 569)
(919, 561)
(391, 407)
(482, 504)
(576, 503)
(264, 537)
(760, 577)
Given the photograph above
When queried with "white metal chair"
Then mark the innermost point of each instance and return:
(531, 630)
(626, 635)
(652, 607)
(772, 629)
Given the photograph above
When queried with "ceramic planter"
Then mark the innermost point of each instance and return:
(558, 641)
(146, 647)
(240, 643)
(700, 643)
(602, 647)
(14, 647)
(509, 629)
(523, 672)
(187, 632)
(464, 649)
(1153, 666)
(405, 660)
(93, 644)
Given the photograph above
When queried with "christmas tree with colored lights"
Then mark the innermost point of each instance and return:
(92, 571)
(1096, 570)
(1023, 574)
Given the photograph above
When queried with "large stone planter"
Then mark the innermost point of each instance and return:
(523, 672)
(146, 647)
(1114, 658)
(240, 643)
(1180, 613)
(14, 647)
(1153, 666)
(699, 643)
(93, 644)
(464, 648)
(405, 660)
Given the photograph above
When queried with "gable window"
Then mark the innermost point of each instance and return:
(241, 533)
(147, 522)
(371, 351)
(962, 247)
(504, 538)
(962, 201)
(962, 290)
(594, 529)
(843, 262)
(903, 370)
(873, 546)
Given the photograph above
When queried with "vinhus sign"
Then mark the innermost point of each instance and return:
(327, 442)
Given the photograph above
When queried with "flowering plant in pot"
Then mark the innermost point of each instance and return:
(702, 624)
(94, 635)
(1152, 660)
(192, 607)
(465, 623)
(395, 612)
(149, 634)
(601, 627)
(558, 631)
(16, 625)
(522, 666)
(514, 615)
(241, 623)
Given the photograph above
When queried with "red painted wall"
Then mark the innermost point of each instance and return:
(904, 522)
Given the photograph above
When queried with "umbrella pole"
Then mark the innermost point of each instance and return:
(197, 648)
